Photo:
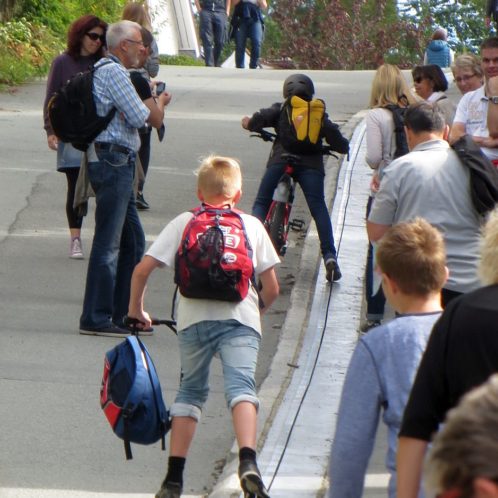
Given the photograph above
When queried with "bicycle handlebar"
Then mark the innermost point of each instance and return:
(268, 136)
(133, 322)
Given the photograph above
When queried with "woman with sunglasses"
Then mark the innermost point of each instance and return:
(85, 46)
(430, 84)
(467, 72)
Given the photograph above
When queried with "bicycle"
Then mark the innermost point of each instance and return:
(277, 221)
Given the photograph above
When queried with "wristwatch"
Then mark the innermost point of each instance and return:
(494, 99)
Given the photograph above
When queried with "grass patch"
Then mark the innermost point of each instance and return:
(180, 60)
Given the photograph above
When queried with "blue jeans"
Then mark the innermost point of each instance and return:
(118, 241)
(375, 302)
(237, 346)
(252, 29)
(311, 182)
(212, 29)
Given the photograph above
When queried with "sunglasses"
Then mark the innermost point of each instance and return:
(464, 78)
(95, 37)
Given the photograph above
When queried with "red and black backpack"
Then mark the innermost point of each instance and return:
(214, 259)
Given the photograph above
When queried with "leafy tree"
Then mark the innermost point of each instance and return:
(335, 34)
(464, 21)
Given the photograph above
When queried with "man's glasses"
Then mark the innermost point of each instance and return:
(135, 41)
(95, 37)
(464, 78)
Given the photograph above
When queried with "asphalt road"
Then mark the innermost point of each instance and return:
(55, 440)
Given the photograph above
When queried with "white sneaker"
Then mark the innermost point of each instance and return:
(76, 251)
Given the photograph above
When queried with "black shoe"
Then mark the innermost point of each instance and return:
(333, 272)
(250, 480)
(109, 331)
(141, 202)
(169, 490)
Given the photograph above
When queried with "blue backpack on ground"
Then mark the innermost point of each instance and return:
(131, 395)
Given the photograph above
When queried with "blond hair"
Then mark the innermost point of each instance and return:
(488, 266)
(413, 255)
(467, 445)
(390, 87)
(139, 13)
(468, 62)
(219, 176)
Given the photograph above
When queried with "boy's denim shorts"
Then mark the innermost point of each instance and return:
(237, 346)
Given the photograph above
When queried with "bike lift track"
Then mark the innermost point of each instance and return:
(298, 432)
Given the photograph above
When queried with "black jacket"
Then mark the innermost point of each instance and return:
(269, 118)
(461, 354)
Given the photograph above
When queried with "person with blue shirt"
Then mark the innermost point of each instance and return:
(248, 22)
(411, 258)
(119, 241)
(438, 51)
(213, 15)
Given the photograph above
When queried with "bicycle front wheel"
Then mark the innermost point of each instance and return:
(277, 224)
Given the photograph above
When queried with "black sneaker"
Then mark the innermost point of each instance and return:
(333, 272)
(169, 490)
(109, 331)
(141, 202)
(250, 480)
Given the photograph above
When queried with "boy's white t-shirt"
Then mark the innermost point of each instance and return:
(192, 311)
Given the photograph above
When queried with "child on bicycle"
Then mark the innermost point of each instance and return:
(208, 327)
(310, 174)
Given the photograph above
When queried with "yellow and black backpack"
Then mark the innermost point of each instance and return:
(300, 125)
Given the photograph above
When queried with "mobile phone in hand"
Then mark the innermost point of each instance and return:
(160, 87)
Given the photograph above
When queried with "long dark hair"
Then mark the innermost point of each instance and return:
(77, 31)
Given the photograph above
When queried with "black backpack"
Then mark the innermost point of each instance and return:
(483, 174)
(399, 129)
(72, 111)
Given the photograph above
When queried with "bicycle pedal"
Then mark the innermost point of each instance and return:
(296, 224)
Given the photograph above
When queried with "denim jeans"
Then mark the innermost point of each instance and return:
(212, 29)
(118, 241)
(252, 29)
(311, 182)
(237, 346)
(375, 302)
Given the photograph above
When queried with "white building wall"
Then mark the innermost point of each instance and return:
(174, 28)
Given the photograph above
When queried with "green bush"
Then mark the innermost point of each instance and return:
(180, 60)
(26, 51)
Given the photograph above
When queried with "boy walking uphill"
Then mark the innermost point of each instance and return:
(411, 259)
(310, 173)
(208, 327)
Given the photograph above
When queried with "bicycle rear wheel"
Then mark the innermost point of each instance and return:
(277, 225)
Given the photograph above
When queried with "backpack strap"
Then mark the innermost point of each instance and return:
(156, 403)
(137, 387)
